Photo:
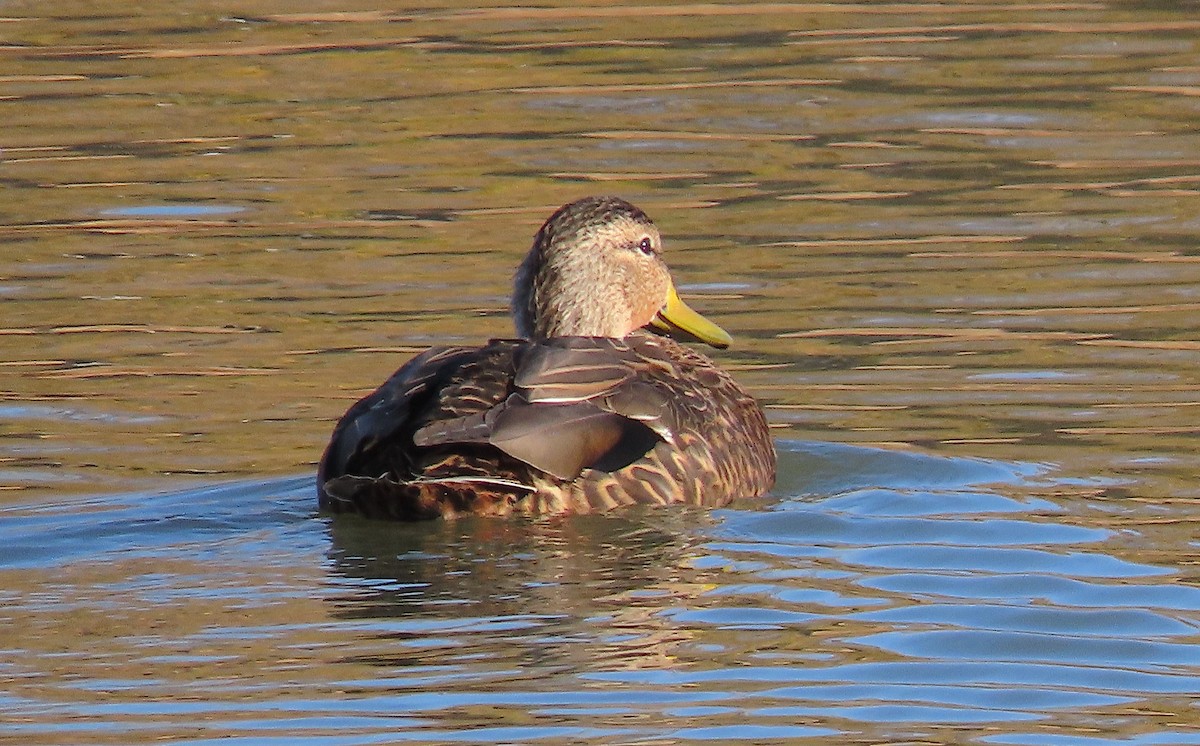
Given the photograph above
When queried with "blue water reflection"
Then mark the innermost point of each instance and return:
(181, 210)
(879, 592)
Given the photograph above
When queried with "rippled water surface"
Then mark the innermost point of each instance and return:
(956, 245)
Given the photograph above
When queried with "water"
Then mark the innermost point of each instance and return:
(955, 246)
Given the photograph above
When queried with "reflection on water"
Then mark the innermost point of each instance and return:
(949, 604)
(956, 246)
(171, 211)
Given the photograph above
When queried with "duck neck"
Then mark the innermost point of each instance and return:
(551, 301)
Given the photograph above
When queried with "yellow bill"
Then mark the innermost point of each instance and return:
(677, 317)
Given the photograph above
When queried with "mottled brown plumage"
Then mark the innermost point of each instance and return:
(586, 413)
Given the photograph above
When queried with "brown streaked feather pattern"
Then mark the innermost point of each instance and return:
(657, 423)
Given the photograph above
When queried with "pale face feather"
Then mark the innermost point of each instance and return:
(594, 270)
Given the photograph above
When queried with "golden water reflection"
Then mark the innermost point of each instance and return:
(965, 229)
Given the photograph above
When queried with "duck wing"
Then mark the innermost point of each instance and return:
(577, 403)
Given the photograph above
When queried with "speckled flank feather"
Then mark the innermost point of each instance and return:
(555, 424)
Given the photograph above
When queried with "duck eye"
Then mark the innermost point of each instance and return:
(646, 246)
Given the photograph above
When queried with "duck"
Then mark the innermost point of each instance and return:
(596, 405)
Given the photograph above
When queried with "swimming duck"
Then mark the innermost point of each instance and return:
(592, 409)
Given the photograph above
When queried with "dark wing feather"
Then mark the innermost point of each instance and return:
(578, 406)
(572, 369)
(377, 419)
(558, 439)
(374, 438)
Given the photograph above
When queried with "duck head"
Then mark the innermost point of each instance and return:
(596, 270)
